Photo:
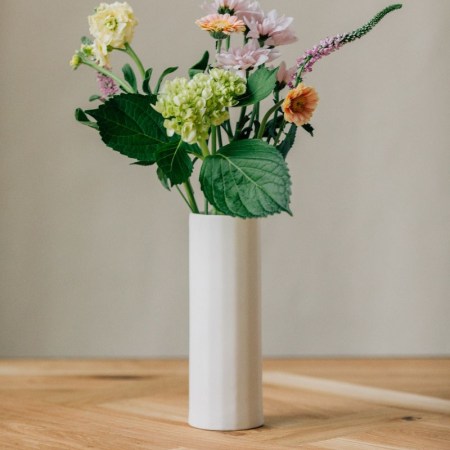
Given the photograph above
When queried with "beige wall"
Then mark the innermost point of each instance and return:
(94, 252)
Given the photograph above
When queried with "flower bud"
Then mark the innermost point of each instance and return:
(75, 61)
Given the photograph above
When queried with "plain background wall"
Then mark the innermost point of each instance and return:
(94, 252)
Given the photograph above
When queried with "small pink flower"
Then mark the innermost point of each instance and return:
(285, 75)
(107, 86)
(239, 8)
(249, 56)
(273, 30)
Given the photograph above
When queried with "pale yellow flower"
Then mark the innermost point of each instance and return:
(112, 25)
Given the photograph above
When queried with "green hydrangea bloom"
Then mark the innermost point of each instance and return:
(190, 107)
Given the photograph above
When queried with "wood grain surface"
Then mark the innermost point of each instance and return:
(142, 404)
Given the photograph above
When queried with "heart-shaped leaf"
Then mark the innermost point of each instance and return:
(174, 162)
(247, 178)
(260, 84)
(129, 125)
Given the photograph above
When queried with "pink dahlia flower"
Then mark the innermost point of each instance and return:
(273, 30)
(243, 9)
(249, 56)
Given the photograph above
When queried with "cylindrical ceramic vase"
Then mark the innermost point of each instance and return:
(225, 386)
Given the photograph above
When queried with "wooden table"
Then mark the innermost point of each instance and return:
(142, 404)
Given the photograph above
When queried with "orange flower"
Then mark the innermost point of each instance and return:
(221, 24)
(299, 104)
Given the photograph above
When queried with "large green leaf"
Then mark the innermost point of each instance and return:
(260, 84)
(129, 125)
(247, 178)
(174, 161)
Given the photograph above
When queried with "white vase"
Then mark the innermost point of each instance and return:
(225, 386)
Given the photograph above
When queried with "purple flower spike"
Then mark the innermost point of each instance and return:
(329, 45)
(325, 47)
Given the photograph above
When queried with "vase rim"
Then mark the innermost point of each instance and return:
(220, 217)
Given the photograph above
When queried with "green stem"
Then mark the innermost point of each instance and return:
(240, 123)
(227, 124)
(277, 99)
(219, 137)
(204, 148)
(219, 45)
(229, 129)
(299, 79)
(213, 140)
(136, 59)
(191, 197)
(275, 114)
(266, 118)
(254, 115)
(109, 74)
(280, 132)
(184, 198)
(226, 129)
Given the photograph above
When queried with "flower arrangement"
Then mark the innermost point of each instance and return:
(177, 123)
